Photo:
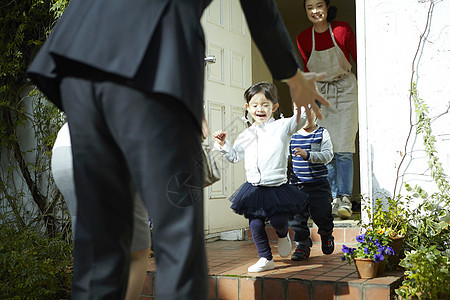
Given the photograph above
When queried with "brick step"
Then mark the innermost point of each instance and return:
(342, 235)
(254, 288)
(319, 277)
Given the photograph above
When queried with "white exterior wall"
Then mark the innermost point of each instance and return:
(388, 37)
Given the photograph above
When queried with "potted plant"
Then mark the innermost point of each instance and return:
(392, 216)
(427, 249)
(372, 247)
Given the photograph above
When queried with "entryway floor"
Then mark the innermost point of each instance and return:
(319, 277)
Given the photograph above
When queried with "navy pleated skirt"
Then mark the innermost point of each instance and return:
(264, 202)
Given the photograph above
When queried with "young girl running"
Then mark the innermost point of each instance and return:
(266, 194)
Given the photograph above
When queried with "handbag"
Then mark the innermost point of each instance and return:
(210, 169)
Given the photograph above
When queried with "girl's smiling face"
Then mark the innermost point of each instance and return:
(260, 108)
(316, 10)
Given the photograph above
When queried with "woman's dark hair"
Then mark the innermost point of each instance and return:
(332, 10)
(267, 88)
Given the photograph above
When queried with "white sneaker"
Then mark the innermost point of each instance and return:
(284, 246)
(345, 209)
(335, 206)
(261, 265)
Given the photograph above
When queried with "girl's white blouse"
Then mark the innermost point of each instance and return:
(265, 150)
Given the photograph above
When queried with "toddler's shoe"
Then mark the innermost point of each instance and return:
(284, 246)
(345, 208)
(327, 243)
(335, 207)
(301, 252)
(263, 264)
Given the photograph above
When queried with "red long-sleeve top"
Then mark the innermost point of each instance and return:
(343, 34)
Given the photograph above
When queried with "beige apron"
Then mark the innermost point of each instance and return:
(340, 89)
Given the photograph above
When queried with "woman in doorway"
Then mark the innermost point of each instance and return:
(326, 46)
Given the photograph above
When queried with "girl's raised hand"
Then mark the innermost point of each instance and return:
(220, 137)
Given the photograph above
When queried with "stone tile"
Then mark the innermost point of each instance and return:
(383, 280)
(250, 289)
(350, 235)
(328, 278)
(323, 290)
(151, 265)
(212, 288)
(353, 278)
(228, 288)
(374, 292)
(299, 290)
(323, 276)
(274, 289)
(339, 235)
(349, 292)
(303, 277)
(148, 285)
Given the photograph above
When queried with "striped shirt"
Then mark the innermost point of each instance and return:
(319, 150)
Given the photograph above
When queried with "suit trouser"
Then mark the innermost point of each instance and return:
(120, 133)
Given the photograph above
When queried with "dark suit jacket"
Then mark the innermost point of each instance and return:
(155, 45)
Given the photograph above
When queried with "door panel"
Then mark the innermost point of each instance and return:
(228, 40)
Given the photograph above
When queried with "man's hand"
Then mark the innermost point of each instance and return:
(303, 89)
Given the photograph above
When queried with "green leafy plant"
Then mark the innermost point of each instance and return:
(28, 123)
(427, 274)
(427, 241)
(430, 224)
(393, 216)
(372, 244)
(34, 266)
(427, 255)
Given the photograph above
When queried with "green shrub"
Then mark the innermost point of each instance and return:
(427, 244)
(427, 274)
(33, 266)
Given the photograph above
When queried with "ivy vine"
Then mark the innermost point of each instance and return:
(28, 196)
(427, 255)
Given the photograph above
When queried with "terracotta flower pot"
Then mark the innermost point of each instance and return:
(396, 244)
(366, 267)
(381, 267)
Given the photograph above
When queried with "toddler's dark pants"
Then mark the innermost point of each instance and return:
(257, 226)
(318, 208)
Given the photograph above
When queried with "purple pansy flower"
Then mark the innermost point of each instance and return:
(378, 257)
(377, 243)
(345, 249)
(389, 251)
(360, 238)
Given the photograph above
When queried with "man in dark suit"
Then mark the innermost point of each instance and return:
(129, 76)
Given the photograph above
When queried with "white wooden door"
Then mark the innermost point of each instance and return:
(228, 39)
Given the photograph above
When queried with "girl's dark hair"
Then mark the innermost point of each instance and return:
(267, 88)
(332, 10)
